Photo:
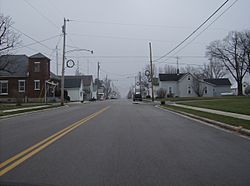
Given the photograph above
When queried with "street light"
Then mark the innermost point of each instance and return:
(79, 50)
(63, 69)
(63, 60)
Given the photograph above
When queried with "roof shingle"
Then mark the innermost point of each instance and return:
(221, 81)
(14, 65)
(170, 77)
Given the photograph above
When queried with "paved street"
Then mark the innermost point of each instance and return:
(120, 144)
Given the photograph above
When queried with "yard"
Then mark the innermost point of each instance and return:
(8, 106)
(224, 119)
(239, 105)
(9, 109)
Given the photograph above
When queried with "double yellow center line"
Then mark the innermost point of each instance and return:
(19, 158)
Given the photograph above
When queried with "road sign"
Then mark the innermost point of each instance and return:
(70, 63)
(147, 73)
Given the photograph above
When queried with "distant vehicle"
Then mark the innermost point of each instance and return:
(137, 97)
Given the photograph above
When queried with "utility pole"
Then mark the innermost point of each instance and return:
(151, 73)
(140, 82)
(56, 60)
(106, 86)
(63, 61)
(178, 71)
(87, 66)
(135, 84)
(98, 72)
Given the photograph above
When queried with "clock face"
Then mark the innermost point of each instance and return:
(70, 63)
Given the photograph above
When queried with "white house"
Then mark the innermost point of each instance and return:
(186, 85)
(79, 88)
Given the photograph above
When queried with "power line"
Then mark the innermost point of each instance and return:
(31, 38)
(207, 26)
(30, 44)
(127, 57)
(190, 35)
(54, 50)
(120, 75)
(118, 37)
(41, 14)
(137, 24)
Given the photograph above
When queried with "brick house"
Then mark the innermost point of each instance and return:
(23, 77)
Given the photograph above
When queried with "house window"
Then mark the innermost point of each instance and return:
(37, 84)
(170, 90)
(21, 85)
(36, 66)
(3, 87)
(205, 90)
(189, 89)
(189, 78)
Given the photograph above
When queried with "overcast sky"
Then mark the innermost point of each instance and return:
(119, 31)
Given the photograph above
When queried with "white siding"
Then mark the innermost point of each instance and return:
(222, 89)
(184, 84)
(166, 84)
(74, 94)
(209, 92)
(185, 87)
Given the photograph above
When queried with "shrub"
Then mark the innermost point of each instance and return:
(161, 93)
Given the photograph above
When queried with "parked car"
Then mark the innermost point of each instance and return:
(137, 97)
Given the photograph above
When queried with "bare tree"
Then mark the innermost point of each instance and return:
(169, 69)
(8, 37)
(191, 69)
(147, 67)
(234, 52)
(107, 87)
(145, 80)
(198, 87)
(247, 90)
(161, 93)
(130, 93)
(214, 69)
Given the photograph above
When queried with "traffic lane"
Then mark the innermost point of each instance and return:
(20, 132)
(140, 145)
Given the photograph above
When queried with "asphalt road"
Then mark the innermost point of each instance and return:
(126, 144)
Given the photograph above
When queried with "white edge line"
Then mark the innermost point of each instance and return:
(203, 122)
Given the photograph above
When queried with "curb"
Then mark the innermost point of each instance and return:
(30, 111)
(213, 122)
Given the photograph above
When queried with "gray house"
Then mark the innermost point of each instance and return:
(222, 85)
(79, 88)
(186, 85)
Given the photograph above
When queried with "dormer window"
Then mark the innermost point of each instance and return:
(36, 66)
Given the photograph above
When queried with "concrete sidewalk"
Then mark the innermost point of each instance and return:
(230, 114)
(24, 108)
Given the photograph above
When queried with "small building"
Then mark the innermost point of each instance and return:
(79, 88)
(222, 86)
(24, 78)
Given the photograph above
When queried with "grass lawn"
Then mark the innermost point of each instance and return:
(216, 117)
(8, 106)
(25, 105)
(239, 105)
